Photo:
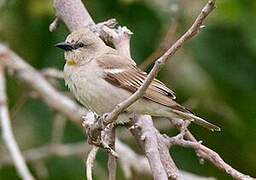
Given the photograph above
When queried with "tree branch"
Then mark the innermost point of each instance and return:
(159, 63)
(145, 133)
(203, 152)
(73, 14)
(90, 160)
(7, 134)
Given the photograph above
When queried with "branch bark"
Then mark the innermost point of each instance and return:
(210, 155)
(90, 160)
(161, 163)
(73, 14)
(7, 133)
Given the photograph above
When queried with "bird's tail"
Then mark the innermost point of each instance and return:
(196, 119)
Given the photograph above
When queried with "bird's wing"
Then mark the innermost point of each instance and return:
(121, 73)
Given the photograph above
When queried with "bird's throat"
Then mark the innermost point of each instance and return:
(71, 62)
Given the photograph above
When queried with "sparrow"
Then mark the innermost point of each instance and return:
(100, 78)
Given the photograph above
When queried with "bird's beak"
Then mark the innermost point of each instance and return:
(65, 46)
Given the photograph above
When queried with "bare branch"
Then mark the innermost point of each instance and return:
(138, 128)
(54, 25)
(203, 152)
(90, 160)
(47, 151)
(109, 137)
(7, 133)
(58, 128)
(163, 47)
(73, 13)
(40, 170)
(52, 73)
(148, 140)
(19, 104)
(131, 161)
(120, 37)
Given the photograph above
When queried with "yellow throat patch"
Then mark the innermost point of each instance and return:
(71, 62)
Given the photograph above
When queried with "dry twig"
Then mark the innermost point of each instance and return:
(90, 160)
(7, 133)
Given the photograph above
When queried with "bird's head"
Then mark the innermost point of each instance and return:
(81, 46)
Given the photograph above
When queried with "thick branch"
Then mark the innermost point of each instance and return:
(7, 133)
(145, 134)
(73, 13)
(112, 165)
(47, 151)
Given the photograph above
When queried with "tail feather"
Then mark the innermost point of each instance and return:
(197, 120)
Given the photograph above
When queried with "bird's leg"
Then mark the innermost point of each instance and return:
(93, 132)
(96, 130)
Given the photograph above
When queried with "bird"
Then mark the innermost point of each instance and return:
(100, 78)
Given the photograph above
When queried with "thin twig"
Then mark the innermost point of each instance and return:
(203, 151)
(90, 160)
(58, 128)
(7, 133)
(41, 169)
(213, 157)
(47, 151)
(163, 47)
(54, 25)
(19, 104)
(53, 73)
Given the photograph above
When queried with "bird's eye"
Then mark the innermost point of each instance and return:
(80, 44)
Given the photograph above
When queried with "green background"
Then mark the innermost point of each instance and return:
(214, 75)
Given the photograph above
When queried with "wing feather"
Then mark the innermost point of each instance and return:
(131, 78)
(121, 72)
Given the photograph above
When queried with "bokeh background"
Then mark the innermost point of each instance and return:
(214, 75)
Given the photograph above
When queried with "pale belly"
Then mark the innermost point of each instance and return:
(101, 97)
(91, 90)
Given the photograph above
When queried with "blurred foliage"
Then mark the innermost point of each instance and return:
(215, 71)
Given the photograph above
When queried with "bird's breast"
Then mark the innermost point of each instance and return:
(89, 87)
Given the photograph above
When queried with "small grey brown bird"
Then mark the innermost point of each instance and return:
(100, 78)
